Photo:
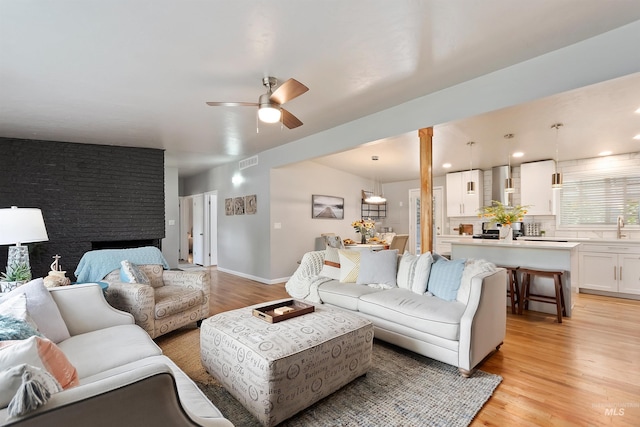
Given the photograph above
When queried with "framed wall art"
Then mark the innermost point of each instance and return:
(228, 206)
(238, 206)
(327, 207)
(250, 204)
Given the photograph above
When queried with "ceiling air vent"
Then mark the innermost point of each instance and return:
(247, 163)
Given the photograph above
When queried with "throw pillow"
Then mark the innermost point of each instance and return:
(472, 268)
(42, 309)
(130, 273)
(13, 379)
(422, 274)
(378, 267)
(349, 265)
(41, 353)
(445, 278)
(16, 307)
(406, 270)
(15, 329)
(331, 266)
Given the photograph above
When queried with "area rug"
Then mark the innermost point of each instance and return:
(401, 389)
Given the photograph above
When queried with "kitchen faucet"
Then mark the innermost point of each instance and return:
(620, 227)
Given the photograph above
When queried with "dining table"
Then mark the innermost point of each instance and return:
(367, 246)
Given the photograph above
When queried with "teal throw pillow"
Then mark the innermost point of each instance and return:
(15, 329)
(445, 278)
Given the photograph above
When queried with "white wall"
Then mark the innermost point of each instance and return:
(291, 191)
(245, 245)
(171, 241)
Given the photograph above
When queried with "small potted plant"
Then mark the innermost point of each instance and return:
(17, 274)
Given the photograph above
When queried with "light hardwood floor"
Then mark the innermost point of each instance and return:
(583, 372)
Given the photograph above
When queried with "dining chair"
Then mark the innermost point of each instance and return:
(333, 241)
(399, 242)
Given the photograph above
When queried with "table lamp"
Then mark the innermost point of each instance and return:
(21, 225)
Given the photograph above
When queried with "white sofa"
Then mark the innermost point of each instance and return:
(124, 380)
(462, 332)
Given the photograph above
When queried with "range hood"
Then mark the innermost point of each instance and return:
(498, 176)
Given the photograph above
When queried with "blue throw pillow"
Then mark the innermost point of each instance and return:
(15, 329)
(445, 278)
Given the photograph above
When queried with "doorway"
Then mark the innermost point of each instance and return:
(415, 236)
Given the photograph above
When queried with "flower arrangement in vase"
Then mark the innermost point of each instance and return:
(504, 215)
(364, 227)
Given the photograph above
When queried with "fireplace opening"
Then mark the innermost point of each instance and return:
(125, 244)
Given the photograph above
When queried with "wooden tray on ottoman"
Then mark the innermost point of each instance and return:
(267, 312)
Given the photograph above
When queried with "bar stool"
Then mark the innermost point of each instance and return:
(513, 291)
(527, 296)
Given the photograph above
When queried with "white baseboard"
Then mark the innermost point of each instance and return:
(257, 279)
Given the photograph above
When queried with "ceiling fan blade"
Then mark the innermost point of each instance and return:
(232, 104)
(287, 91)
(289, 120)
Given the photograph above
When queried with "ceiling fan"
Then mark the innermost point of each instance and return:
(270, 104)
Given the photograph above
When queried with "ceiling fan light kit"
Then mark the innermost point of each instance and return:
(270, 104)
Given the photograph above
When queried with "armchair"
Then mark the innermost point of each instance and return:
(173, 298)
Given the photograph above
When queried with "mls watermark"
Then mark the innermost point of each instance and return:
(613, 409)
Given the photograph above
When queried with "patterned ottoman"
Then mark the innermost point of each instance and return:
(276, 370)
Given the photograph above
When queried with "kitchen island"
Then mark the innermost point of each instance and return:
(543, 255)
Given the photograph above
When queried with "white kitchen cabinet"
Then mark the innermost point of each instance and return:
(459, 203)
(535, 187)
(610, 268)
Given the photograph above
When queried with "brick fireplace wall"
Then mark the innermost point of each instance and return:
(87, 193)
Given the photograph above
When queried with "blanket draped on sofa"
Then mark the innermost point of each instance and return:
(305, 281)
(94, 265)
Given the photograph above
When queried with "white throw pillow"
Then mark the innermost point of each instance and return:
(42, 309)
(406, 270)
(131, 273)
(422, 273)
(471, 268)
(378, 268)
(16, 307)
(331, 266)
(349, 265)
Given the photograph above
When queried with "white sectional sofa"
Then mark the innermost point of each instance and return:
(461, 331)
(124, 380)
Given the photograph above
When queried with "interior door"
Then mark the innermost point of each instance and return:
(185, 226)
(198, 229)
(211, 229)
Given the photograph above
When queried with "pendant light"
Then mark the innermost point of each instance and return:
(471, 186)
(556, 178)
(508, 183)
(376, 197)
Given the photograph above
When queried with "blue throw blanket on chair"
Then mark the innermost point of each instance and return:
(94, 265)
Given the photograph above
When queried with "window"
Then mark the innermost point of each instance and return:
(596, 198)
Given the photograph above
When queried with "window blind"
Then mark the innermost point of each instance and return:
(592, 199)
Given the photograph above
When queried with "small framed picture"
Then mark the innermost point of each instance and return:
(228, 206)
(238, 206)
(250, 204)
(327, 207)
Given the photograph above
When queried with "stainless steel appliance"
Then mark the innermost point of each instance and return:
(492, 231)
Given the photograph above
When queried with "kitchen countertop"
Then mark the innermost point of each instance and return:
(578, 239)
(515, 243)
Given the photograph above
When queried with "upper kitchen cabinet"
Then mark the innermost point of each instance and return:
(535, 187)
(459, 203)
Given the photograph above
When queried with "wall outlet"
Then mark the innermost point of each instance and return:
(277, 225)
(172, 222)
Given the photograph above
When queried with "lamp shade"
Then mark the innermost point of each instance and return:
(21, 225)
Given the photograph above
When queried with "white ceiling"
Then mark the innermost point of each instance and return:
(595, 119)
(138, 73)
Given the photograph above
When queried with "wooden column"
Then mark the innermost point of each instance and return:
(426, 189)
